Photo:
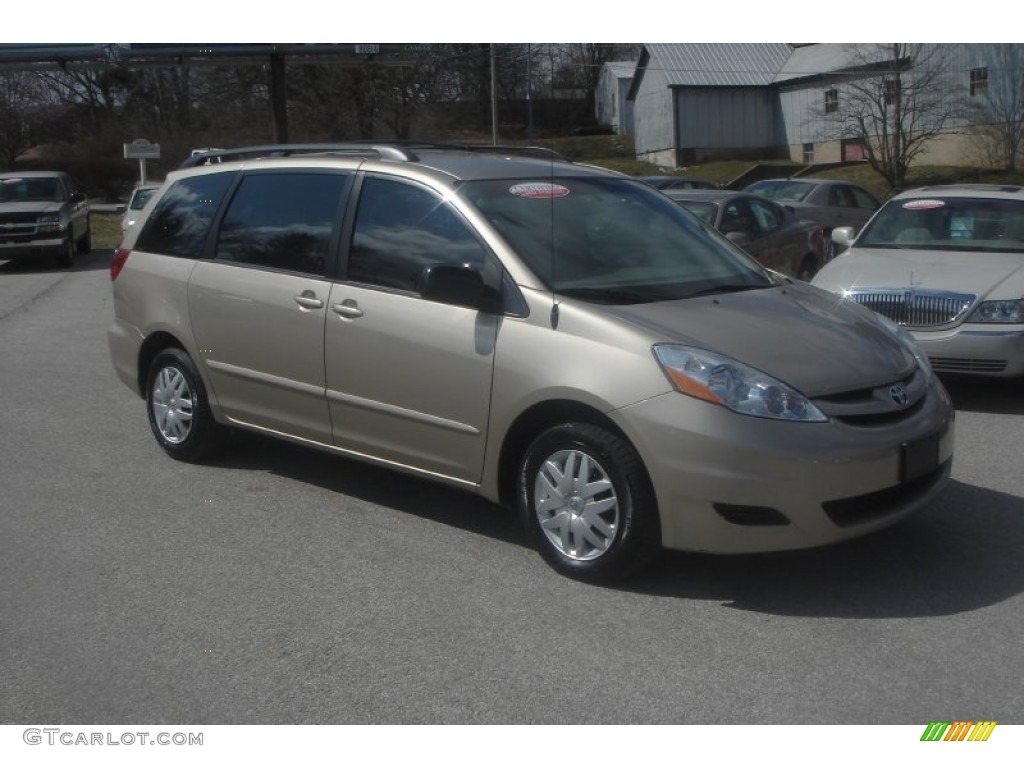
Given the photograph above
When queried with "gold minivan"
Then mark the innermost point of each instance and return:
(558, 338)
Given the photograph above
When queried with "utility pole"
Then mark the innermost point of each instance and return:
(529, 93)
(494, 99)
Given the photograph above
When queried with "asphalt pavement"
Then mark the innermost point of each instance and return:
(282, 585)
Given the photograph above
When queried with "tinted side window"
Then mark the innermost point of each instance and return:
(768, 217)
(282, 220)
(400, 229)
(178, 225)
(863, 199)
(737, 217)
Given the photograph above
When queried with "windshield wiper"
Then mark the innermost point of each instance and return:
(729, 288)
(611, 295)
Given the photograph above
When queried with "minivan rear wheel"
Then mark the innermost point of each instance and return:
(179, 412)
(587, 502)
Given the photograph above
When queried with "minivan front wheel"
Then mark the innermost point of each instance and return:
(179, 412)
(587, 502)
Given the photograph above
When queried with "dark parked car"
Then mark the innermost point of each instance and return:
(830, 203)
(42, 215)
(676, 182)
(767, 231)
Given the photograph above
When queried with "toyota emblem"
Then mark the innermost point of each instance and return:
(898, 395)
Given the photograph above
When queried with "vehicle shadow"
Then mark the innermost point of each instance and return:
(96, 259)
(375, 485)
(960, 554)
(984, 395)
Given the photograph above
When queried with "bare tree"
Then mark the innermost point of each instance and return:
(997, 103)
(895, 99)
(20, 114)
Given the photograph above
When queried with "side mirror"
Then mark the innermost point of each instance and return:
(452, 284)
(77, 197)
(842, 235)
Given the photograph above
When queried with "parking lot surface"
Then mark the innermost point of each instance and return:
(279, 585)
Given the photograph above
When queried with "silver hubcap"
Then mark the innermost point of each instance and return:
(172, 405)
(576, 505)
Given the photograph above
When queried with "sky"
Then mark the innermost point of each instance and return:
(520, 21)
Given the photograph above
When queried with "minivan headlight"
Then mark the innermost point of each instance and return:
(721, 380)
(998, 312)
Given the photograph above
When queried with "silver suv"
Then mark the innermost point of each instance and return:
(43, 215)
(558, 338)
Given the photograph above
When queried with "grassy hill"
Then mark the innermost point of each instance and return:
(616, 153)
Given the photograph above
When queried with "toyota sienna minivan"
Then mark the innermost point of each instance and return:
(563, 340)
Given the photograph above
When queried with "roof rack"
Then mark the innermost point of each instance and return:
(403, 151)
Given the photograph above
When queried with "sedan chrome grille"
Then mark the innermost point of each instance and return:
(914, 308)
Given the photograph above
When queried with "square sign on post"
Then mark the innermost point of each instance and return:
(142, 150)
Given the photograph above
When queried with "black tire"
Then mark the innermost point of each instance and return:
(622, 532)
(808, 269)
(66, 257)
(178, 409)
(85, 241)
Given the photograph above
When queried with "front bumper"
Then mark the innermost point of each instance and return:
(24, 249)
(975, 348)
(727, 483)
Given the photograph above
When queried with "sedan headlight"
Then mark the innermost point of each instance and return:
(998, 312)
(721, 380)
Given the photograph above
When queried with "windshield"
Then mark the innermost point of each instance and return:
(18, 190)
(611, 240)
(948, 223)
(141, 197)
(790, 191)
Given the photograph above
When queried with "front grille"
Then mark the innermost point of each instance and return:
(871, 506)
(965, 365)
(13, 224)
(917, 309)
(18, 218)
(876, 407)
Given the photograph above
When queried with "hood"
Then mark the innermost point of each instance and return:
(961, 272)
(31, 206)
(803, 336)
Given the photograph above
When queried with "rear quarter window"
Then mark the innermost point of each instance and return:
(181, 220)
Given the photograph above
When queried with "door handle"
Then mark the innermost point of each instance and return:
(308, 300)
(348, 308)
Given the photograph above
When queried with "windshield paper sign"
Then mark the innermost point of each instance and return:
(539, 189)
(923, 205)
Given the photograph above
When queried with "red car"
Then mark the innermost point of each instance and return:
(770, 233)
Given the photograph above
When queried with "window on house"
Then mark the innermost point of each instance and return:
(979, 81)
(831, 100)
(892, 90)
(808, 153)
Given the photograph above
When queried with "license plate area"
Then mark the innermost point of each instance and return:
(919, 458)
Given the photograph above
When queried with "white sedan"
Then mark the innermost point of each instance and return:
(946, 263)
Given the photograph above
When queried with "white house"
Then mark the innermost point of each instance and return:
(697, 102)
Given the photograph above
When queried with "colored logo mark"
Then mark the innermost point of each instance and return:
(959, 730)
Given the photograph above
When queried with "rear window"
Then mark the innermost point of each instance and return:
(948, 223)
(790, 191)
(181, 220)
